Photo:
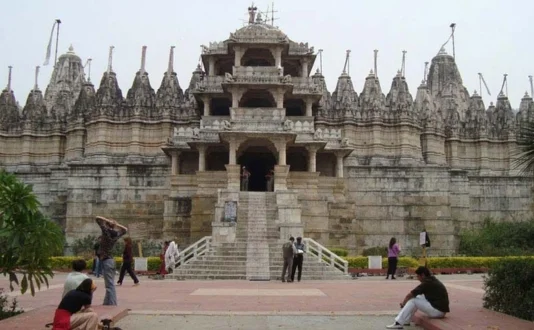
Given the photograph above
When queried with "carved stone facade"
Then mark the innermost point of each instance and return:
(351, 170)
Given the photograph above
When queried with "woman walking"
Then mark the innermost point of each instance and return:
(162, 268)
(393, 256)
(127, 259)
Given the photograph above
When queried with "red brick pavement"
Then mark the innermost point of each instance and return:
(361, 296)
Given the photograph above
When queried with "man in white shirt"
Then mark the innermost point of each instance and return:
(76, 277)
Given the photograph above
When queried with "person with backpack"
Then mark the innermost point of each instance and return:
(288, 253)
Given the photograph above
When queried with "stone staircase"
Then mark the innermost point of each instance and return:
(256, 253)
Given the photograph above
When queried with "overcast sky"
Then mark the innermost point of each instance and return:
(492, 37)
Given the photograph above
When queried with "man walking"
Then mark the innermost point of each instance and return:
(111, 232)
(430, 297)
(299, 258)
(288, 252)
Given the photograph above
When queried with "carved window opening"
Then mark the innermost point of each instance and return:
(294, 107)
(258, 157)
(188, 162)
(257, 57)
(297, 159)
(326, 164)
(224, 66)
(291, 68)
(257, 98)
(220, 106)
(216, 158)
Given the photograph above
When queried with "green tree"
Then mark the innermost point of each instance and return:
(27, 238)
(524, 160)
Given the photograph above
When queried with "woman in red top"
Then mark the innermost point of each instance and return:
(74, 312)
(127, 259)
(162, 268)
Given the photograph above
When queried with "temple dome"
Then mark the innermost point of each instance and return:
(258, 32)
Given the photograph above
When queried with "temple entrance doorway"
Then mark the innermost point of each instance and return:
(258, 157)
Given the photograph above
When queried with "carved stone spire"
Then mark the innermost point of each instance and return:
(170, 94)
(66, 83)
(326, 99)
(109, 96)
(344, 97)
(476, 120)
(197, 76)
(502, 118)
(372, 98)
(9, 110)
(426, 109)
(526, 109)
(141, 96)
(85, 106)
(35, 110)
(399, 97)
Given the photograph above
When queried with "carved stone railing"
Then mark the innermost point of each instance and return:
(257, 71)
(327, 134)
(300, 48)
(326, 256)
(258, 114)
(215, 123)
(305, 86)
(299, 124)
(215, 48)
(191, 253)
(210, 84)
(259, 79)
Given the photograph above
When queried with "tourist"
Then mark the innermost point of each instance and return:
(76, 277)
(245, 175)
(298, 259)
(171, 256)
(127, 260)
(288, 253)
(111, 232)
(270, 180)
(162, 268)
(74, 310)
(430, 297)
(393, 257)
(97, 266)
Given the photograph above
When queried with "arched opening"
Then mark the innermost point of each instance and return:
(224, 65)
(257, 98)
(188, 163)
(291, 68)
(297, 159)
(220, 106)
(257, 57)
(326, 164)
(258, 156)
(294, 107)
(216, 158)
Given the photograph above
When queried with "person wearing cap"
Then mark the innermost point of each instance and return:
(288, 253)
(245, 174)
(430, 297)
(298, 259)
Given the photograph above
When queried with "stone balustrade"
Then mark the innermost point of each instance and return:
(258, 114)
(299, 124)
(215, 123)
(327, 134)
(257, 71)
(305, 86)
(210, 84)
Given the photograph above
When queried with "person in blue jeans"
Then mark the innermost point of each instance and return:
(97, 265)
(111, 232)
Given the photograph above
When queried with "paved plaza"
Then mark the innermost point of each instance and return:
(364, 303)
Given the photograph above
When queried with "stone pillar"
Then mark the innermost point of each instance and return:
(175, 162)
(234, 177)
(237, 93)
(207, 100)
(339, 163)
(238, 51)
(279, 97)
(304, 68)
(201, 158)
(281, 146)
(309, 103)
(232, 151)
(312, 158)
(278, 57)
(211, 71)
(280, 177)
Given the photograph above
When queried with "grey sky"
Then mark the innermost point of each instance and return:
(492, 37)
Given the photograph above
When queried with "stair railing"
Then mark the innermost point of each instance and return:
(326, 256)
(193, 251)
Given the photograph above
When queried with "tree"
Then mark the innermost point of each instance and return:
(525, 156)
(27, 238)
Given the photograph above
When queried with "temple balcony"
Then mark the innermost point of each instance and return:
(209, 85)
(305, 86)
(247, 71)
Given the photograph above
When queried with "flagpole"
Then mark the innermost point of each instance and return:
(58, 21)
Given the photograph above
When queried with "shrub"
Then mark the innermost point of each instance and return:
(65, 263)
(339, 251)
(376, 251)
(7, 309)
(499, 239)
(85, 247)
(510, 287)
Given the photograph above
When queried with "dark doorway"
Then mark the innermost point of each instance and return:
(258, 162)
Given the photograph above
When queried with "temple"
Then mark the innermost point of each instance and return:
(350, 170)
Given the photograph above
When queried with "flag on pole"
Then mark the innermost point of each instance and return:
(49, 48)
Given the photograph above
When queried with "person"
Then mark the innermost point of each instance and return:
(127, 260)
(111, 232)
(298, 259)
(76, 277)
(163, 268)
(97, 266)
(245, 175)
(393, 257)
(430, 297)
(171, 256)
(270, 180)
(288, 253)
(74, 311)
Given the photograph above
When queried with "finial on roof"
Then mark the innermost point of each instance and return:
(110, 59)
(376, 64)
(143, 59)
(170, 68)
(526, 96)
(399, 73)
(346, 67)
(71, 50)
(442, 51)
(9, 79)
(501, 95)
(426, 72)
(36, 84)
(251, 13)
(475, 93)
(491, 104)
(403, 66)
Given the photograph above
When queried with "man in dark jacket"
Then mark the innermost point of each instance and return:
(288, 252)
(430, 297)
(298, 259)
